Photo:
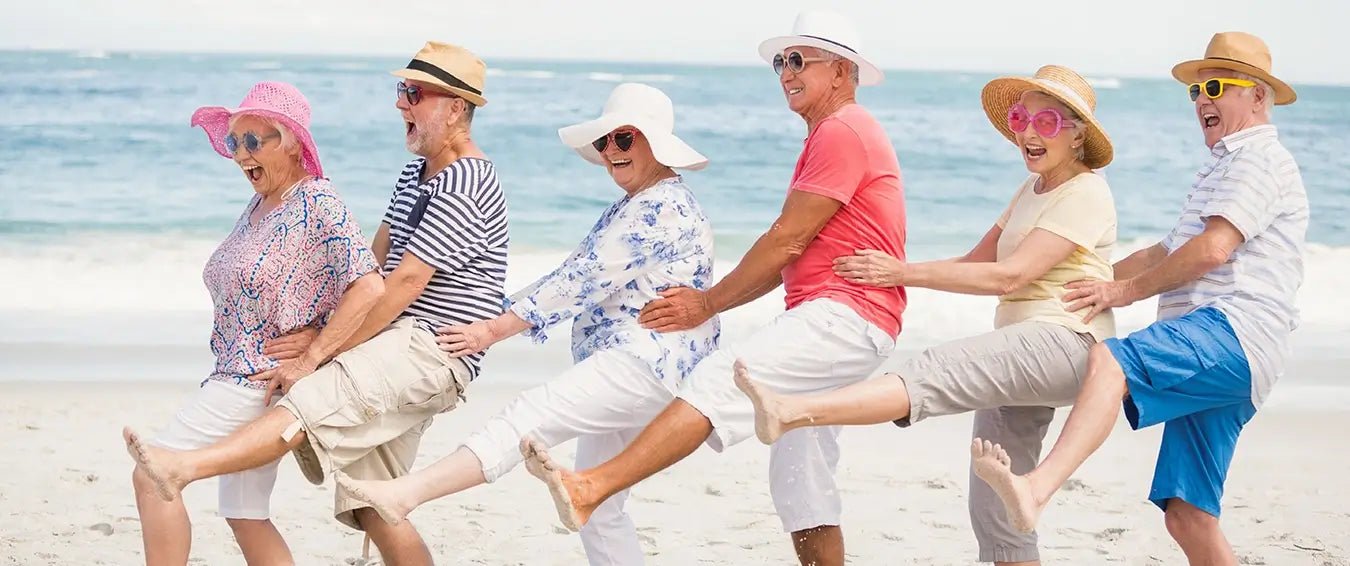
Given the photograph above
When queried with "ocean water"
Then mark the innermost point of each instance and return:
(110, 202)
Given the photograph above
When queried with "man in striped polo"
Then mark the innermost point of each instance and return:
(1226, 279)
(443, 245)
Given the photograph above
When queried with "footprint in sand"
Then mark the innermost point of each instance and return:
(1110, 535)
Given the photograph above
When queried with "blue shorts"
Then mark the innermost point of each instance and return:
(1191, 373)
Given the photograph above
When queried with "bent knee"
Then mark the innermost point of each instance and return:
(248, 524)
(141, 481)
(1186, 521)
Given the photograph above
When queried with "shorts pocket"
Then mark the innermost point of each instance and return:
(436, 392)
(1169, 357)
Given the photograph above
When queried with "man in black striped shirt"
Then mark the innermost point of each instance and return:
(443, 249)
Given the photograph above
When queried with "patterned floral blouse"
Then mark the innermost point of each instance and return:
(642, 245)
(287, 270)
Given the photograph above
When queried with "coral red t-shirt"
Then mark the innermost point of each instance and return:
(849, 158)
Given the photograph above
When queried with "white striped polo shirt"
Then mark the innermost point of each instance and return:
(1252, 181)
(455, 222)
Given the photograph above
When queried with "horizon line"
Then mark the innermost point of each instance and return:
(748, 63)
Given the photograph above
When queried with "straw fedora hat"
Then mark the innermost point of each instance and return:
(828, 31)
(645, 108)
(1062, 84)
(1236, 51)
(450, 67)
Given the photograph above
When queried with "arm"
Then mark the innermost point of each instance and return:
(357, 301)
(1140, 261)
(760, 271)
(1210, 249)
(1040, 251)
(401, 288)
(380, 247)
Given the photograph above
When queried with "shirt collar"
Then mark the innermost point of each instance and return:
(1235, 141)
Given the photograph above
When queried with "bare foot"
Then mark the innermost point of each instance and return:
(383, 496)
(562, 484)
(159, 465)
(772, 417)
(992, 465)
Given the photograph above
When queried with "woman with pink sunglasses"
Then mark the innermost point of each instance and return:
(1059, 228)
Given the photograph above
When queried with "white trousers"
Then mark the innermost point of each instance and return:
(215, 411)
(818, 346)
(604, 402)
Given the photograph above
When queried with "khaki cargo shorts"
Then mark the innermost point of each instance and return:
(364, 413)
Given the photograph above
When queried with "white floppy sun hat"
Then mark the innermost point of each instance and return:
(649, 111)
(829, 31)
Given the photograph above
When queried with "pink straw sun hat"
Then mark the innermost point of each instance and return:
(275, 100)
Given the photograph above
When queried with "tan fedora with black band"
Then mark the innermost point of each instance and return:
(450, 67)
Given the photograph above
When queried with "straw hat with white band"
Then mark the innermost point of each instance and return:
(450, 67)
(645, 108)
(828, 31)
(1062, 84)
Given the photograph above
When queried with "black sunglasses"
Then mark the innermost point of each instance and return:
(794, 62)
(251, 141)
(622, 139)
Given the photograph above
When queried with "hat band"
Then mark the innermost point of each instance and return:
(850, 49)
(1231, 60)
(1066, 92)
(451, 80)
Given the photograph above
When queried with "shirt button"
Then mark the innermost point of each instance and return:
(371, 413)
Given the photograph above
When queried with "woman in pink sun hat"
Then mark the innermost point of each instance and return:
(295, 261)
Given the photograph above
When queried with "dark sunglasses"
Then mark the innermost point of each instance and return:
(251, 142)
(413, 94)
(794, 62)
(1213, 88)
(623, 139)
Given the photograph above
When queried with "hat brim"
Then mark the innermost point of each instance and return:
(215, 120)
(868, 73)
(667, 148)
(1188, 72)
(1000, 94)
(412, 74)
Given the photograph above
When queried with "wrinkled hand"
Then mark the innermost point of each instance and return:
(463, 340)
(1097, 296)
(290, 346)
(282, 377)
(679, 308)
(870, 267)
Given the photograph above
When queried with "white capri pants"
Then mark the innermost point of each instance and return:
(818, 346)
(215, 411)
(605, 400)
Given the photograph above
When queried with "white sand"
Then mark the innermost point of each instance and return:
(65, 496)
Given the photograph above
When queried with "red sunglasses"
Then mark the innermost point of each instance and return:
(1047, 122)
(413, 94)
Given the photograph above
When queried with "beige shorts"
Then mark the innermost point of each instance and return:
(364, 413)
(1013, 378)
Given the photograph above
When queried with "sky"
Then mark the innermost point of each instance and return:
(1134, 38)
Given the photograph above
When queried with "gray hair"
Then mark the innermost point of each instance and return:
(288, 142)
(1080, 153)
(1269, 102)
(853, 67)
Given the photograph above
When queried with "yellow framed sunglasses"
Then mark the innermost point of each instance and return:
(1213, 88)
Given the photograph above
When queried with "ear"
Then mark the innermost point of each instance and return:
(1259, 94)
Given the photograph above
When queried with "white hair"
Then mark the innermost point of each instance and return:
(853, 67)
(288, 141)
(1269, 102)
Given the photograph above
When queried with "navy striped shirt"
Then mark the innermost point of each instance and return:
(455, 222)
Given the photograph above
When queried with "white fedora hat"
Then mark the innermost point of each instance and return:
(645, 108)
(831, 32)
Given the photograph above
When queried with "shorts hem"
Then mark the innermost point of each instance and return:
(802, 523)
(1010, 554)
(1161, 501)
(254, 514)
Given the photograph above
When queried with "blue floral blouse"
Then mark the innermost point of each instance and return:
(642, 245)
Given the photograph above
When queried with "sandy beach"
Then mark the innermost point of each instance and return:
(67, 499)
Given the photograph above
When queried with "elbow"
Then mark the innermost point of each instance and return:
(405, 284)
(372, 288)
(1005, 280)
(1214, 255)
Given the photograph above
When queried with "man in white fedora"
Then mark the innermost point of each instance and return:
(845, 195)
(1226, 279)
(442, 247)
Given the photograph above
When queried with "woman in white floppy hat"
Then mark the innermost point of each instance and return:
(1059, 227)
(654, 237)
